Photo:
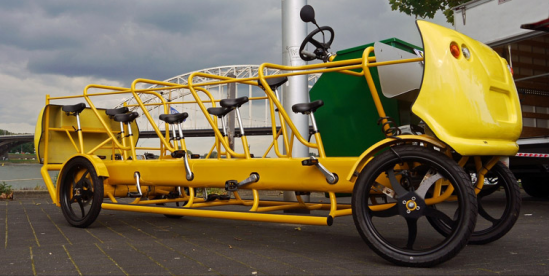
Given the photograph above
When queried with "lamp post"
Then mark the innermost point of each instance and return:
(295, 90)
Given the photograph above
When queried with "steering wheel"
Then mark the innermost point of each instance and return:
(321, 48)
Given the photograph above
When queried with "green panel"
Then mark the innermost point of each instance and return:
(348, 119)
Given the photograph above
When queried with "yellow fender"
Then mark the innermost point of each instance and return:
(471, 103)
(365, 157)
(97, 164)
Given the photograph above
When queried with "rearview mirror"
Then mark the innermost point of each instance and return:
(308, 14)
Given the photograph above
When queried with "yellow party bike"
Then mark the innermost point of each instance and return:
(448, 113)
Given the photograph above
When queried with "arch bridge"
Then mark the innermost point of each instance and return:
(256, 120)
(255, 114)
(8, 142)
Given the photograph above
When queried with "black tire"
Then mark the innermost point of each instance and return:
(164, 204)
(535, 186)
(498, 204)
(81, 192)
(402, 229)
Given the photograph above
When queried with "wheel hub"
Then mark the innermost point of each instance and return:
(411, 205)
(82, 191)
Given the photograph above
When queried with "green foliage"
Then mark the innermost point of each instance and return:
(20, 161)
(426, 8)
(5, 188)
(38, 187)
(4, 132)
(27, 147)
(213, 155)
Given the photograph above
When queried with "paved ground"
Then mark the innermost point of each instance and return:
(36, 239)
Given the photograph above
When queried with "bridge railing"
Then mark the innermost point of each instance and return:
(15, 135)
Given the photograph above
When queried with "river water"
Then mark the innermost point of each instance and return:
(23, 176)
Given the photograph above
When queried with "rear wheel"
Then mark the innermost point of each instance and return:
(164, 204)
(535, 186)
(498, 206)
(394, 194)
(81, 192)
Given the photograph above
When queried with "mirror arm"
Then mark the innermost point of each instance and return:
(323, 36)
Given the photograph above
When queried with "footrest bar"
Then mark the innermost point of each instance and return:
(276, 218)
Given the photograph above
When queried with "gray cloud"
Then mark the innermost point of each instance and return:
(141, 39)
(58, 47)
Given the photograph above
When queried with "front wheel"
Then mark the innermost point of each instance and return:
(81, 192)
(394, 194)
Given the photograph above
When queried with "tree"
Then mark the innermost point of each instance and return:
(427, 8)
(26, 147)
(4, 132)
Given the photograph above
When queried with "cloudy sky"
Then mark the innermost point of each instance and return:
(57, 47)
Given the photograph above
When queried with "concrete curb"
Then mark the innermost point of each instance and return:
(18, 194)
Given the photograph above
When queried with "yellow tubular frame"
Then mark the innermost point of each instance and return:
(287, 131)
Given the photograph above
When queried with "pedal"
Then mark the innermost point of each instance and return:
(309, 162)
(189, 175)
(331, 178)
(233, 185)
(178, 154)
(212, 197)
(134, 194)
(224, 197)
(173, 195)
(137, 176)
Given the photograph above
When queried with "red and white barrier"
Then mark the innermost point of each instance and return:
(542, 155)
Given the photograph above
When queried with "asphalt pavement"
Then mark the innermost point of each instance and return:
(36, 240)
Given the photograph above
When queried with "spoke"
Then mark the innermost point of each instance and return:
(88, 192)
(430, 178)
(434, 213)
(70, 206)
(83, 177)
(400, 191)
(412, 232)
(73, 180)
(81, 207)
(71, 193)
(316, 43)
(482, 212)
(391, 212)
(486, 191)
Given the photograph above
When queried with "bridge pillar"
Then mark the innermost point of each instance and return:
(4, 149)
(6, 145)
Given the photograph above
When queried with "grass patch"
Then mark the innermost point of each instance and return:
(20, 161)
(38, 187)
(5, 188)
